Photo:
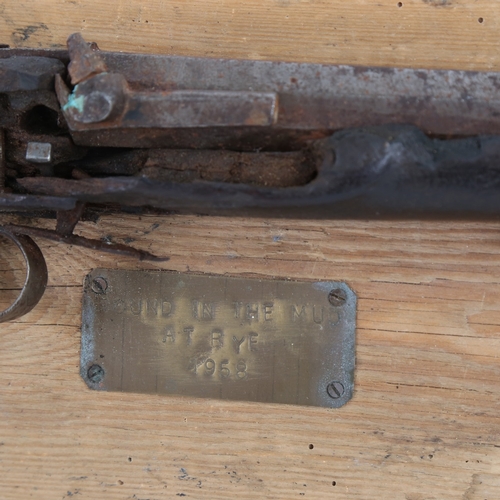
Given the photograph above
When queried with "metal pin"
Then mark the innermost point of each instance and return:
(39, 152)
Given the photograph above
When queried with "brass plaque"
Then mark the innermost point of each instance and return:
(205, 336)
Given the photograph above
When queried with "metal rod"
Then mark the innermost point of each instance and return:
(73, 239)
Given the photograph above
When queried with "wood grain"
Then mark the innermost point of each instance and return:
(424, 422)
(420, 33)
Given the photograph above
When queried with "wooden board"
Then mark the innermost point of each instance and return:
(420, 33)
(424, 422)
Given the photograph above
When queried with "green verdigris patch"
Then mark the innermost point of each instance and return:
(74, 102)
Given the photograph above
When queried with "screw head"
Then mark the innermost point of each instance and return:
(95, 374)
(99, 285)
(337, 297)
(97, 106)
(335, 389)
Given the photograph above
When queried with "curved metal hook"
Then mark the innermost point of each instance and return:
(36, 277)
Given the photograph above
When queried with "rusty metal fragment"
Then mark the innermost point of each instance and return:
(68, 219)
(29, 73)
(367, 160)
(73, 239)
(36, 276)
(105, 102)
(199, 108)
(95, 100)
(85, 59)
(379, 172)
(27, 202)
(311, 101)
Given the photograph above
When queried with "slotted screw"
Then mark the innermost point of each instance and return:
(99, 285)
(337, 297)
(335, 389)
(95, 374)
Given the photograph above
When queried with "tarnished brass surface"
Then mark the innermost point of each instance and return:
(218, 337)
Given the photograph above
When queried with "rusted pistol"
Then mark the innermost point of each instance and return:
(87, 127)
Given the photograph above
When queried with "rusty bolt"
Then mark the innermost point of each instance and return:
(99, 285)
(337, 297)
(102, 97)
(95, 374)
(97, 106)
(335, 389)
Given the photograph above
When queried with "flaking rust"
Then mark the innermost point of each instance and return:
(271, 341)
(247, 137)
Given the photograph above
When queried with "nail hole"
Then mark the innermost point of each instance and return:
(334, 483)
(400, 4)
(480, 20)
(311, 446)
(130, 459)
